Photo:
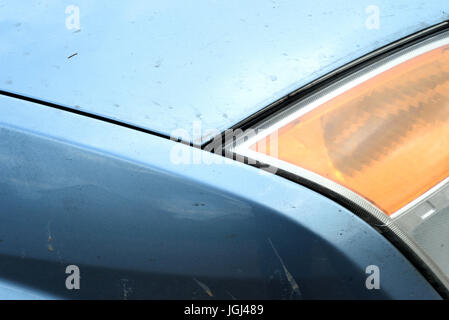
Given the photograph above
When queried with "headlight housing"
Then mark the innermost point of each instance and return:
(379, 138)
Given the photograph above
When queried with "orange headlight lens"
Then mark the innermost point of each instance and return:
(386, 139)
(378, 141)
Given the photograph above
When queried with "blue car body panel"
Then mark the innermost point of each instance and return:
(143, 218)
(161, 65)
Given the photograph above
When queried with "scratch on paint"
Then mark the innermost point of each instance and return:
(49, 245)
(50, 238)
(291, 280)
(126, 289)
(49, 231)
(233, 298)
(204, 287)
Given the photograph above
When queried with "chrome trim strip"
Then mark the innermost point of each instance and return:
(411, 205)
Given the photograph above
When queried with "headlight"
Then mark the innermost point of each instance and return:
(380, 139)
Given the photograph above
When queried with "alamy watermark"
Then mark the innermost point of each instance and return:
(72, 282)
(373, 19)
(72, 21)
(373, 280)
(217, 151)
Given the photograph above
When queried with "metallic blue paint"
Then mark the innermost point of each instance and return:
(163, 64)
(74, 190)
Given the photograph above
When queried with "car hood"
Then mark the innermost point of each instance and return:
(168, 65)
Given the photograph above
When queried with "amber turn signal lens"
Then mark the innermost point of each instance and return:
(386, 139)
